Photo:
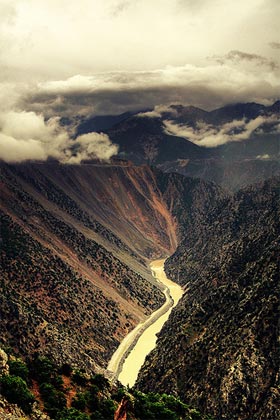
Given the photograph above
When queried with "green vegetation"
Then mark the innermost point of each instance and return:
(16, 391)
(18, 368)
(68, 394)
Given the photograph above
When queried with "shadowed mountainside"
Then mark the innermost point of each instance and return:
(219, 348)
(232, 165)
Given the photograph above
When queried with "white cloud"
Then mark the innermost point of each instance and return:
(158, 111)
(92, 146)
(69, 58)
(48, 39)
(26, 135)
(18, 150)
(207, 135)
(263, 157)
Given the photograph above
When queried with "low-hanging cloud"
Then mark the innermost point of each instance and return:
(92, 145)
(158, 111)
(207, 87)
(27, 136)
(207, 135)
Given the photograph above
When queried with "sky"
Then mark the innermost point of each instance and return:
(95, 57)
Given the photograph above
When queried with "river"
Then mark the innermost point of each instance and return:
(130, 355)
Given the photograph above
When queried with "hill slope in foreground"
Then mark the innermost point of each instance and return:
(75, 242)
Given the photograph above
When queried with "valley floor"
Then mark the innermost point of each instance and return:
(130, 355)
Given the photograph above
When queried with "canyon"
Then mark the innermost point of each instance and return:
(76, 243)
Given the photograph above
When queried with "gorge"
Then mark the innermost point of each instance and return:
(76, 242)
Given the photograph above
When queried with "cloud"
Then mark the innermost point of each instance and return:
(275, 45)
(120, 6)
(263, 157)
(158, 111)
(207, 135)
(48, 39)
(26, 135)
(90, 146)
(67, 59)
(237, 56)
(207, 87)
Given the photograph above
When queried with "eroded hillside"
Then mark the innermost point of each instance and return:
(75, 245)
(75, 241)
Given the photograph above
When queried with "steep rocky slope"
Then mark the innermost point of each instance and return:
(75, 242)
(229, 174)
(74, 245)
(219, 349)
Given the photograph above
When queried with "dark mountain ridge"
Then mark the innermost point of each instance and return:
(233, 165)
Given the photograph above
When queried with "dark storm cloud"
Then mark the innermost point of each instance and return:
(113, 93)
(69, 58)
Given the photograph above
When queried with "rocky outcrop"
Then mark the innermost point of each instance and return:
(10, 411)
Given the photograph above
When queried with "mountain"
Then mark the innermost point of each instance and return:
(101, 122)
(146, 138)
(229, 174)
(143, 140)
(74, 246)
(219, 348)
(76, 241)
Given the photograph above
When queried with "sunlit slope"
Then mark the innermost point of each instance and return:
(76, 241)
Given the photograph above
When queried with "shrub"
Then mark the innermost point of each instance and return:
(66, 369)
(82, 400)
(100, 381)
(18, 368)
(71, 414)
(16, 391)
(43, 369)
(54, 401)
(79, 378)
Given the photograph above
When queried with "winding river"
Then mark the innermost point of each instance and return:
(130, 355)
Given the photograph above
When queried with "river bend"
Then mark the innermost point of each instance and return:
(132, 351)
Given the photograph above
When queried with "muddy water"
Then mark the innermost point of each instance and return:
(130, 355)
